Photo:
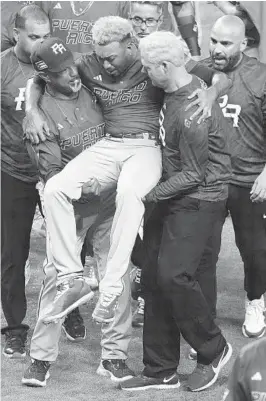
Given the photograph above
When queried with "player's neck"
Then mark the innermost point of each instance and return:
(21, 56)
(59, 95)
(180, 78)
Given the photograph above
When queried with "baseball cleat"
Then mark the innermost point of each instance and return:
(70, 294)
(104, 311)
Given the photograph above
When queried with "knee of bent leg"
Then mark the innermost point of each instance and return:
(178, 281)
(51, 188)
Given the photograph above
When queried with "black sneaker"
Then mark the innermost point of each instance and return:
(205, 376)
(15, 343)
(136, 285)
(73, 326)
(36, 374)
(145, 383)
(116, 369)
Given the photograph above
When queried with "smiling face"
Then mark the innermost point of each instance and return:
(225, 48)
(115, 57)
(145, 18)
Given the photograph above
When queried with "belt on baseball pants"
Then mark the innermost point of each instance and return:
(143, 135)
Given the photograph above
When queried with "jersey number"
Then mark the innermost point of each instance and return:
(230, 110)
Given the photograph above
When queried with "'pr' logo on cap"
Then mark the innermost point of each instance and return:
(58, 48)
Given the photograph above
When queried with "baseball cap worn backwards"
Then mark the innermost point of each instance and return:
(51, 55)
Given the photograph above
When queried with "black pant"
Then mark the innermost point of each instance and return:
(250, 234)
(174, 300)
(19, 201)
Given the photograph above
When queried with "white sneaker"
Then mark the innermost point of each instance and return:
(254, 324)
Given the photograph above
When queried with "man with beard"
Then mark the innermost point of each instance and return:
(244, 105)
(253, 14)
(129, 152)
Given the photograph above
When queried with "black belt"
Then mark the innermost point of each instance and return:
(143, 135)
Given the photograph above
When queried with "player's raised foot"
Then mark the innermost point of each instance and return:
(116, 369)
(138, 316)
(192, 354)
(145, 383)
(70, 294)
(36, 374)
(204, 376)
(15, 343)
(254, 324)
(74, 327)
(104, 311)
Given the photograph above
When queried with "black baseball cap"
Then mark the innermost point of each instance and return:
(51, 55)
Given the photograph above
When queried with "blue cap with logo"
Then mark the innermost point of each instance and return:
(51, 55)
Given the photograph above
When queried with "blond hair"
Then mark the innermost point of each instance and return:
(111, 29)
(162, 46)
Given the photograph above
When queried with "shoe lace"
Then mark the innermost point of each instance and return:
(119, 364)
(107, 299)
(42, 366)
(255, 307)
(15, 342)
(91, 273)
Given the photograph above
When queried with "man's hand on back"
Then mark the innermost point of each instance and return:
(205, 99)
(35, 127)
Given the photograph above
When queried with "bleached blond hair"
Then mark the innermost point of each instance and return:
(162, 46)
(111, 29)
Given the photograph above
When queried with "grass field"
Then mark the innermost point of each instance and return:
(73, 376)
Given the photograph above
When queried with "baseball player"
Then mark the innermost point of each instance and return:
(129, 152)
(76, 123)
(192, 196)
(244, 105)
(19, 177)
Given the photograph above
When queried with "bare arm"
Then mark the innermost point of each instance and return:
(184, 14)
(34, 125)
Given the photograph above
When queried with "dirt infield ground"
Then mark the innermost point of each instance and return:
(73, 376)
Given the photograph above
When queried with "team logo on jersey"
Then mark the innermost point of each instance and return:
(58, 6)
(20, 98)
(230, 110)
(258, 396)
(58, 48)
(98, 78)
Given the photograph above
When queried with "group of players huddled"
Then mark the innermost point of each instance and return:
(138, 149)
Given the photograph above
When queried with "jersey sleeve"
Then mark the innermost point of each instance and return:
(49, 157)
(193, 147)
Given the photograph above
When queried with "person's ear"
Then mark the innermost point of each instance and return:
(160, 21)
(243, 44)
(16, 34)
